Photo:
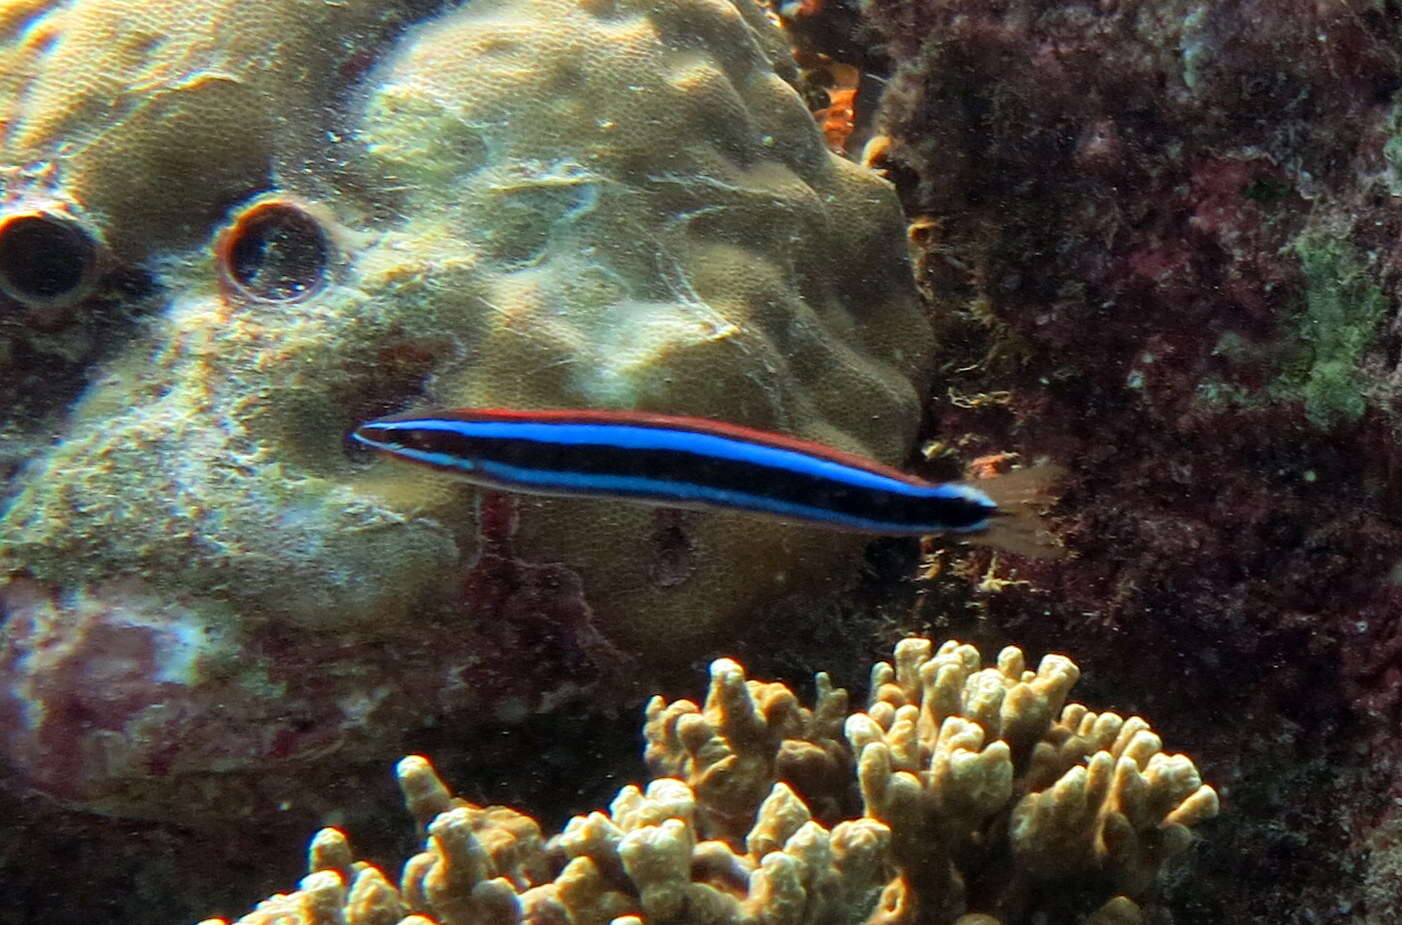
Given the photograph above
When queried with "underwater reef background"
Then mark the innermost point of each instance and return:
(1157, 242)
(1167, 234)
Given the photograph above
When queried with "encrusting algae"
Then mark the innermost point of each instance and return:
(984, 799)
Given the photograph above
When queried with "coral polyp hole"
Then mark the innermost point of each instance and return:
(46, 259)
(275, 251)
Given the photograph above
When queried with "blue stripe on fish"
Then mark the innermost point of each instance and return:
(680, 462)
(698, 443)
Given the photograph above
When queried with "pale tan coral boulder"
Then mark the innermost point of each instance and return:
(644, 216)
(508, 203)
(159, 113)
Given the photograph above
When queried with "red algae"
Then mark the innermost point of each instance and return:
(1168, 233)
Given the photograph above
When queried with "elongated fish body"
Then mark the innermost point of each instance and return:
(677, 462)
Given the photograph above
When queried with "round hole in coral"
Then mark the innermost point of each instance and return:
(46, 259)
(275, 251)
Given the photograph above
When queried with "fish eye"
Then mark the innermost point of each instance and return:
(275, 250)
(47, 260)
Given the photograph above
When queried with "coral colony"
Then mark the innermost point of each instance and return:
(984, 798)
(543, 203)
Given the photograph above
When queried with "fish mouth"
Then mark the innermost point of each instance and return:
(368, 435)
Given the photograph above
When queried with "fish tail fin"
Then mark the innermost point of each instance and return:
(1022, 496)
(1033, 487)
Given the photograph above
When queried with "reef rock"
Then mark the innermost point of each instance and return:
(1167, 234)
(265, 223)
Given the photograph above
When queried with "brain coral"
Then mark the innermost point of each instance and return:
(985, 799)
(524, 204)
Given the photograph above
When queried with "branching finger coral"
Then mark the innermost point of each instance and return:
(978, 806)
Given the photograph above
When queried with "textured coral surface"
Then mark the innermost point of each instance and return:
(519, 204)
(978, 804)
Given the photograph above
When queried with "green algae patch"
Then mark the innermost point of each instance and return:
(1317, 360)
(1392, 148)
(1337, 325)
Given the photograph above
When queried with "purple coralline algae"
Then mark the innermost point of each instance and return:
(1164, 238)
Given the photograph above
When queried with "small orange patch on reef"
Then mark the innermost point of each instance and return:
(838, 81)
(990, 466)
(838, 119)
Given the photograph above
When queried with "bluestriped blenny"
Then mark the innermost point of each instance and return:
(691, 463)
